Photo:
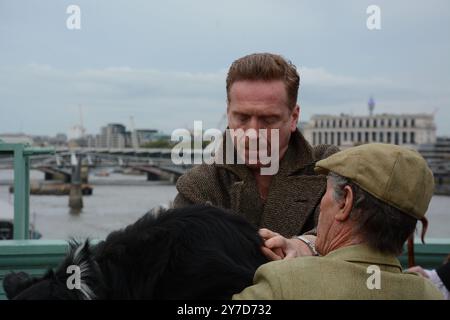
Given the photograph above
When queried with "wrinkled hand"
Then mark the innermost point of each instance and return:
(419, 270)
(277, 247)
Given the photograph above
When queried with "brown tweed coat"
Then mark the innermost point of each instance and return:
(292, 205)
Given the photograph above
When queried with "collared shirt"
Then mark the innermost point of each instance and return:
(349, 273)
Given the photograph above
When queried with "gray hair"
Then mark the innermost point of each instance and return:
(382, 226)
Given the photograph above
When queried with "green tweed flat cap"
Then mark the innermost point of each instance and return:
(396, 175)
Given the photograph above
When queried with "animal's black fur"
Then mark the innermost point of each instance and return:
(197, 252)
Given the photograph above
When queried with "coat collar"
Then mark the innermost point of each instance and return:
(364, 254)
(295, 187)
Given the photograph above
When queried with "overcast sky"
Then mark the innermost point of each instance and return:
(165, 62)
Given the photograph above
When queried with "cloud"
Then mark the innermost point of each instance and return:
(164, 100)
(323, 78)
(328, 93)
(172, 99)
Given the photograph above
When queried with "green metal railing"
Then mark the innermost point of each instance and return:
(21, 154)
(34, 257)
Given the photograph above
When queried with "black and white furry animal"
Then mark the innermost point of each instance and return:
(197, 252)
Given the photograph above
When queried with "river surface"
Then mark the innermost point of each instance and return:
(119, 200)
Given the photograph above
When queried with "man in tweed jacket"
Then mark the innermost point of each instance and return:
(262, 94)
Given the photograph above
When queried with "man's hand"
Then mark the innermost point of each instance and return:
(418, 270)
(277, 247)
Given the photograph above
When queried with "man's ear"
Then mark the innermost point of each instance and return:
(295, 116)
(346, 205)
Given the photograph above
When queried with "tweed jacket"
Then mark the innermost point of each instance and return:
(343, 274)
(292, 205)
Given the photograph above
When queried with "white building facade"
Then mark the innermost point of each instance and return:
(348, 130)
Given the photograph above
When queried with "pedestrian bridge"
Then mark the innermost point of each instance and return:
(59, 165)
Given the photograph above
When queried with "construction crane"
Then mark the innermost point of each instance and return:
(78, 131)
(82, 129)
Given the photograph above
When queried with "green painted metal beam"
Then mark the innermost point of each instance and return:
(428, 255)
(34, 257)
(21, 154)
(21, 194)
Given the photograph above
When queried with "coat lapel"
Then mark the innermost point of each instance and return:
(244, 198)
(291, 202)
(294, 191)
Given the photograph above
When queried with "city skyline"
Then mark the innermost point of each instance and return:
(128, 126)
(165, 64)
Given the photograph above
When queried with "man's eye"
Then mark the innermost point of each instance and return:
(271, 120)
(242, 117)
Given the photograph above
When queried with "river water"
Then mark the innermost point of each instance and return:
(119, 200)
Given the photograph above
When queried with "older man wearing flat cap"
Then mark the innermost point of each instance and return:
(375, 195)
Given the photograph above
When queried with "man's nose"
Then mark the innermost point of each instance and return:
(254, 123)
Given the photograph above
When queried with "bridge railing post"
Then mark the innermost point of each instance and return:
(21, 194)
(21, 154)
